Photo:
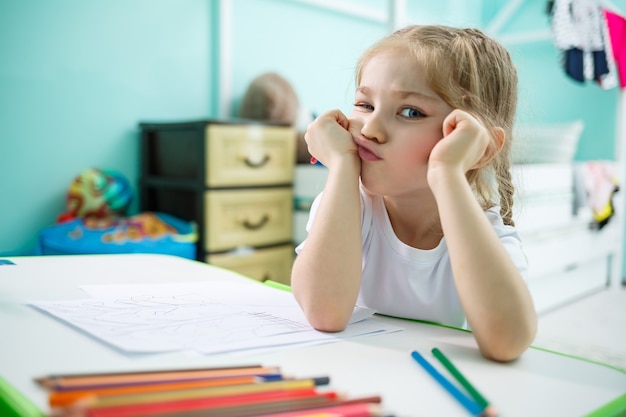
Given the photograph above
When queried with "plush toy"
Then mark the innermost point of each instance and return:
(270, 97)
(97, 193)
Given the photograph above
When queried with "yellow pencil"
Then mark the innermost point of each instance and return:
(292, 384)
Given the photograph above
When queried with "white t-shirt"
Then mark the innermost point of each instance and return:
(402, 281)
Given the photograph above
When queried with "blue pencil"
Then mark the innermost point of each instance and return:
(470, 405)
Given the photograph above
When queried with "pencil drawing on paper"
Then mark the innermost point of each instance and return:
(211, 317)
(185, 321)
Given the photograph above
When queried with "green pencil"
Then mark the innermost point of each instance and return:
(477, 396)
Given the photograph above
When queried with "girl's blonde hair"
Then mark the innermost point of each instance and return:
(474, 73)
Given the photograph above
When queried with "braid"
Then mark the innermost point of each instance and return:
(506, 190)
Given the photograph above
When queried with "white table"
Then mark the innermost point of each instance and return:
(33, 344)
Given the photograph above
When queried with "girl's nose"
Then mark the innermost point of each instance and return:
(374, 129)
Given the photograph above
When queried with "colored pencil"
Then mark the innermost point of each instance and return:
(325, 399)
(60, 382)
(345, 410)
(236, 406)
(264, 407)
(488, 409)
(246, 391)
(67, 397)
(459, 377)
(470, 405)
(203, 405)
(291, 384)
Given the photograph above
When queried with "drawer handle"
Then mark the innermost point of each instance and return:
(255, 226)
(256, 164)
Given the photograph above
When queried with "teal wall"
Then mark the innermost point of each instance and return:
(77, 76)
(315, 49)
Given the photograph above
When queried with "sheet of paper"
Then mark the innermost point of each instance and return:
(237, 293)
(208, 317)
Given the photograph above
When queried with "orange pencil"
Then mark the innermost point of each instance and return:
(65, 398)
(291, 384)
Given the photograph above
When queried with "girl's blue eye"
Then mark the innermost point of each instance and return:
(364, 106)
(411, 113)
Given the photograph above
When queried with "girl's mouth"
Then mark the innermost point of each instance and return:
(367, 155)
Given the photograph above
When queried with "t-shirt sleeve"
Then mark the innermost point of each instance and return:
(312, 212)
(511, 241)
(366, 215)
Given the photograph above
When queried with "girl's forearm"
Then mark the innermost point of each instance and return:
(326, 274)
(494, 296)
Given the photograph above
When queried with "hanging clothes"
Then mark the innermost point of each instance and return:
(616, 31)
(579, 31)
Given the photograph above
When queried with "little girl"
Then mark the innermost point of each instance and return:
(414, 220)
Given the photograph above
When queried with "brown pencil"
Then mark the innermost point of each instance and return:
(64, 382)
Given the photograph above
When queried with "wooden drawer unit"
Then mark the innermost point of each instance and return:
(234, 179)
(247, 156)
(219, 155)
(247, 217)
(261, 264)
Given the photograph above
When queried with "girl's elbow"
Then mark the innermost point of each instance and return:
(327, 320)
(321, 316)
(504, 349)
(503, 354)
(330, 326)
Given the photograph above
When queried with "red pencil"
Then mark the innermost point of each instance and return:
(344, 410)
(199, 404)
(254, 409)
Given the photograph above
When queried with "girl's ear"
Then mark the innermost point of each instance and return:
(498, 136)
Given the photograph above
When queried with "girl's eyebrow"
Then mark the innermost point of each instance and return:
(408, 93)
(402, 94)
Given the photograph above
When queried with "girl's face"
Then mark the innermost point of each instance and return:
(396, 121)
